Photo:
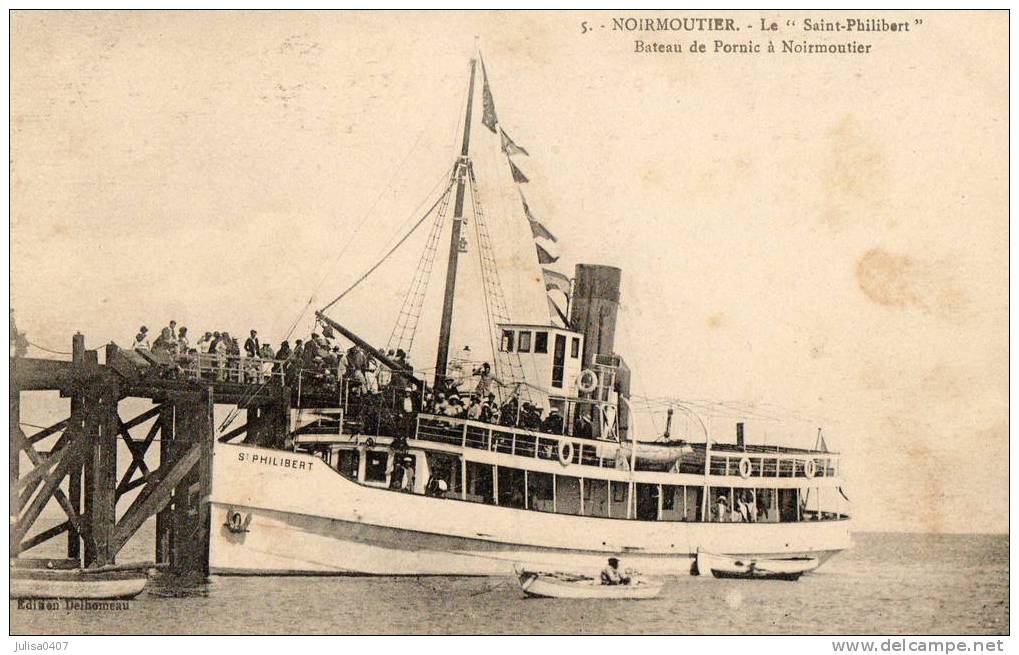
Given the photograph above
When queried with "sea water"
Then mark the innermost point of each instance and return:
(886, 584)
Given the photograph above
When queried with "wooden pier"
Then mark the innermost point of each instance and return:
(79, 471)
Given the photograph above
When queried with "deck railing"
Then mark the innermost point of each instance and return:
(510, 441)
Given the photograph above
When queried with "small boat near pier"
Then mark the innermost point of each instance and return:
(544, 584)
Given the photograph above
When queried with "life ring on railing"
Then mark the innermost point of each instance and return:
(587, 381)
(565, 452)
(810, 468)
(745, 468)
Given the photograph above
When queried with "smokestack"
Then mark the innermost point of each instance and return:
(739, 434)
(594, 308)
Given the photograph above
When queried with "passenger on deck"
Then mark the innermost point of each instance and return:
(611, 575)
(722, 510)
(474, 408)
(252, 348)
(553, 424)
(141, 340)
(401, 359)
(484, 373)
(203, 344)
(582, 427)
(508, 412)
(437, 487)
(408, 475)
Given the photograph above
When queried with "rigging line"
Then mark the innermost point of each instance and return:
(369, 212)
(417, 208)
(386, 256)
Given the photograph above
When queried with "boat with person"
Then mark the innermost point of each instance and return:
(524, 450)
(755, 568)
(541, 584)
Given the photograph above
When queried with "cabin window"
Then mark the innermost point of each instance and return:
(681, 503)
(375, 466)
(541, 342)
(479, 483)
(596, 497)
(444, 467)
(347, 462)
(524, 342)
(567, 494)
(767, 506)
(575, 348)
(788, 511)
(507, 341)
(540, 495)
(647, 501)
(620, 499)
(511, 487)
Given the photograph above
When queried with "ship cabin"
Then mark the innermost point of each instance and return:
(598, 475)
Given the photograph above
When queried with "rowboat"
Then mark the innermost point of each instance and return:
(756, 568)
(542, 584)
(94, 584)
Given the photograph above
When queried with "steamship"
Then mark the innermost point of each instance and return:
(387, 482)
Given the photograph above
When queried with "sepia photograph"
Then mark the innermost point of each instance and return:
(489, 322)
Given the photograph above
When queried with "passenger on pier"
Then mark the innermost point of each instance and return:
(251, 346)
(553, 424)
(182, 341)
(164, 343)
(611, 575)
(141, 340)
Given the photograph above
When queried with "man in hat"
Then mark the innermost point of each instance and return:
(611, 575)
(553, 423)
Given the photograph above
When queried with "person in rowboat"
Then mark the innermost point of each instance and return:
(611, 575)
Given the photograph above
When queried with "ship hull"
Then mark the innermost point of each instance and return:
(281, 513)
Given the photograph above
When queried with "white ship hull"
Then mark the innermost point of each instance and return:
(301, 517)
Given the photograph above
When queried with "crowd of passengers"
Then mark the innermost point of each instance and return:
(319, 363)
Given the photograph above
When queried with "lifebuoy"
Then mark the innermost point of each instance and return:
(565, 452)
(745, 468)
(810, 468)
(587, 381)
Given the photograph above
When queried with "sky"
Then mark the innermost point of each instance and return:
(820, 238)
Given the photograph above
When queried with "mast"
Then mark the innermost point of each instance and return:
(442, 356)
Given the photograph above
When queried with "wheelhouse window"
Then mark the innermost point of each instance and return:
(541, 342)
(575, 348)
(524, 342)
(507, 341)
(375, 466)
